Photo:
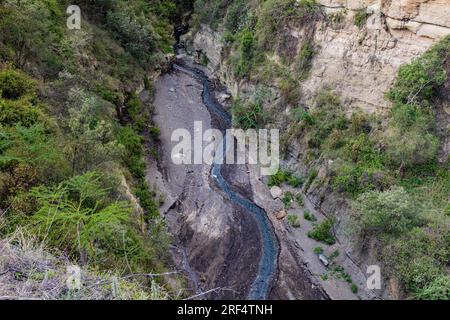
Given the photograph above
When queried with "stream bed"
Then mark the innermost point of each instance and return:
(268, 263)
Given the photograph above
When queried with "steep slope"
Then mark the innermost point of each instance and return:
(75, 139)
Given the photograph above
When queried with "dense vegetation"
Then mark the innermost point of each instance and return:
(392, 171)
(72, 129)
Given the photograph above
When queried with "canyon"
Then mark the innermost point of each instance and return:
(358, 64)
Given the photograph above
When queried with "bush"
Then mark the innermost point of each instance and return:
(391, 212)
(419, 81)
(15, 84)
(418, 257)
(318, 250)
(299, 199)
(361, 18)
(32, 36)
(312, 174)
(76, 218)
(309, 216)
(294, 181)
(20, 112)
(294, 221)
(304, 59)
(33, 147)
(155, 132)
(141, 35)
(414, 147)
(235, 15)
(410, 139)
(245, 54)
(277, 179)
(248, 116)
(281, 177)
(438, 289)
(287, 199)
(147, 84)
(323, 232)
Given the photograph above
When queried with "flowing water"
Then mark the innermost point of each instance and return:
(267, 266)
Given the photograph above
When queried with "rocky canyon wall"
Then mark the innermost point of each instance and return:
(359, 64)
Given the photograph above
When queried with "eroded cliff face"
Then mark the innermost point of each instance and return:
(359, 64)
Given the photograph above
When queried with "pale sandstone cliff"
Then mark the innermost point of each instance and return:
(360, 65)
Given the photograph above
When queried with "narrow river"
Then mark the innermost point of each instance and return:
(267, 266)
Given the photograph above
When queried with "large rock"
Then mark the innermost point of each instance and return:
(276, 192)
(281, 215)
(210, 43)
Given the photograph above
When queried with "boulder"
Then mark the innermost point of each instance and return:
(276, 192)
(281, 215)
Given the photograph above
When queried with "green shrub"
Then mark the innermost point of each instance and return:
(107, 94)
(312, 174)
(32, 34)
(147, 84)
(299, 114)
(15, 84)
(294, 221)
(299, 199)
(155, 132)
(32, 146)
(146, 199)
(20, 112)
(323, 231)
(235, 15)
(141, 35)
(304, 59)
(309, 216)
(438, 289)
(287, 199)
(133, 106)
(419, 81)
(334, 255)
(248, 116)
(410, 139)
(318, 250)
(361, 18)
(407, 149)
(282, 176)
(418, 257)
(391, 212)
(75, 218)
(277, 179)
(245, 51)
(294, 181)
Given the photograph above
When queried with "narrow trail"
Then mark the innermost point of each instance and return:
(268, 263)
